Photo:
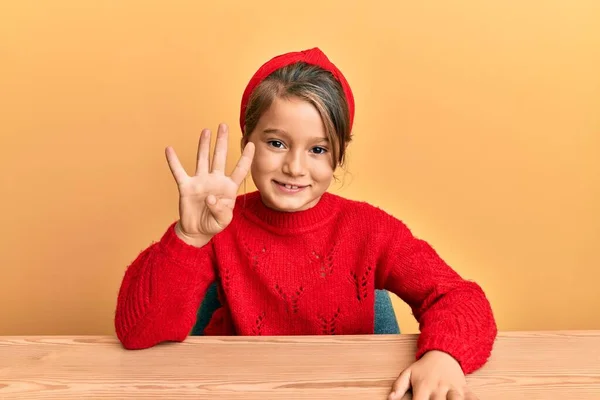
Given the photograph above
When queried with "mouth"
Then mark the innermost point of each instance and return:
(289, 188)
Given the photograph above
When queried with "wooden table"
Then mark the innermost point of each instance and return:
(524, 365)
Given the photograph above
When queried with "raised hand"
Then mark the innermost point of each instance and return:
(207, 198)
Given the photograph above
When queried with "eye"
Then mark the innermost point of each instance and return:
(319, 150)
(275, 143)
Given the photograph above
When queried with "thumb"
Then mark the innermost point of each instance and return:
(220, 210)
(401, 386)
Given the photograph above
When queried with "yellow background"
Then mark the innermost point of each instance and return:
(477, 124)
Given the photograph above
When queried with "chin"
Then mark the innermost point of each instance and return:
(288, 206)
(281, 203)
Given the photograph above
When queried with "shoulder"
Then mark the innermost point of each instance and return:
(360, 206)
(362, 212)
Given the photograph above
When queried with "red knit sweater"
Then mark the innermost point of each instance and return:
(304, 273)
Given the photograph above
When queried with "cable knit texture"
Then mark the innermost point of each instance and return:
(311, 272)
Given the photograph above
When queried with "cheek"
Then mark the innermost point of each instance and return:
(323, 172)
(263, 162)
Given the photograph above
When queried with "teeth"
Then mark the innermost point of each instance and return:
(291, 187)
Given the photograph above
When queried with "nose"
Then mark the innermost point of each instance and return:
(295, 164)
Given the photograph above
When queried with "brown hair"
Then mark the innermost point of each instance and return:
(313, 84)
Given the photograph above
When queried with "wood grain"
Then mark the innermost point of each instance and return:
(524, 365)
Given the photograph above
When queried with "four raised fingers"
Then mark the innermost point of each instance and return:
(219, 159)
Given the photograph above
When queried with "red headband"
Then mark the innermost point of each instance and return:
(312, 56)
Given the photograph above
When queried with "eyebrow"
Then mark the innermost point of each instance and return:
(285, 133)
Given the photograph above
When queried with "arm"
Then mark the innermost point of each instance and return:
(161, 292)
(454, 314)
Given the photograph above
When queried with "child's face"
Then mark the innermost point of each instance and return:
(291, 148)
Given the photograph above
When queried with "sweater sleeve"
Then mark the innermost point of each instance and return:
(454, 314)
(161, 292)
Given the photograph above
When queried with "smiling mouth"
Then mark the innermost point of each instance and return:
(290, 187)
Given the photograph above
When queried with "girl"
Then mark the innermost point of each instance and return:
(291, 258)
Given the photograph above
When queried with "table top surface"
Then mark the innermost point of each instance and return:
(524, 365)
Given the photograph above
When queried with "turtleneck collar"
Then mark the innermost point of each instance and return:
(254, 209)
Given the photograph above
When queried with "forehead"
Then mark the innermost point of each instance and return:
(297, 117)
